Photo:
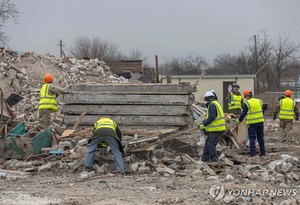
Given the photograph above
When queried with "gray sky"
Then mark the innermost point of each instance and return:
(163, 27)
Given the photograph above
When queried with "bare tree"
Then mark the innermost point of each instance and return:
(275, 59)
(285, 57)
(136, 55)
(85, 47)
(227, 64)
(190, 65)
(269, 61)
(8, 10)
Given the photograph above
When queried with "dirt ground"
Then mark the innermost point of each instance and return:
(187, 186)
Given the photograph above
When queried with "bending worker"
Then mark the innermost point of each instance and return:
(214, 125)
(107, 131)
(288, 111)
(48, 101)
(253, 111)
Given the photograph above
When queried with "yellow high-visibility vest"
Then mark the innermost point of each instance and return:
(236, 99)
(255, 112)
(218, 124)
(287, 106)
(47, 101)
(105, 123)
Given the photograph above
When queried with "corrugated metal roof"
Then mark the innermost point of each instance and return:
(210, 76)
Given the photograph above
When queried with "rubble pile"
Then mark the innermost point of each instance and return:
(22, 73)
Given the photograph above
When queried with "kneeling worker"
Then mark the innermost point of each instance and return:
(107, 131)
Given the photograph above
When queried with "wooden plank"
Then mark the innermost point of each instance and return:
(133, 120)
(242, 132)
(133, 127)
(145, 133)
(163, 139)
(94, 98)
(135, 88)
(126, 109)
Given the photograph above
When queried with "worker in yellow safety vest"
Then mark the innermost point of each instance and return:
(288, 111)
(254, 114)
(106, 133)
(234, 100)
(48, 101)
(214, 125)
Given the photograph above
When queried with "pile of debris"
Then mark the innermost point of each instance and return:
(22, 74)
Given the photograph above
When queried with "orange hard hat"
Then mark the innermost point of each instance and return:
(288, 93)
(246, 92)
(48, 78)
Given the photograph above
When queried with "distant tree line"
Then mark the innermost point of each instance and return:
(268, 60)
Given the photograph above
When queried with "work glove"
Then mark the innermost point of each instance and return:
(237, 121)
(274, 118)
(297, 118)
(202, 127)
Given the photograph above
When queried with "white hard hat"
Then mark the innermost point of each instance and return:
(209, 94)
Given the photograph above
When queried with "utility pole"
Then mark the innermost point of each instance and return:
(62, 53)
(156, 67)
(256, 62)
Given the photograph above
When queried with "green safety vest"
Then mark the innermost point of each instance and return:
(287, 106)
(236, 99)
(47, 101)
(255, 112)
(105, 123)
(218, 124)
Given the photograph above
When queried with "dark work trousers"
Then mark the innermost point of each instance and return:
(256, 131)
(210, 151)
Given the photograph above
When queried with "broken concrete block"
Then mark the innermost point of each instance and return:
(154, 160)
(82, 142)
(286, 167)
(143, 170)
(65, 144)
(290, 159)
(229, 178)
(84, 175)
(213, 178)
(169, 171)
(75, 165)
(279, 177)
(134, 167)
(163, 169)
(296, 176)
(45, 167)
(228, 199)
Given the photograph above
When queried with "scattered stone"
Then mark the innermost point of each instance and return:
(229, 178)
(228, 199)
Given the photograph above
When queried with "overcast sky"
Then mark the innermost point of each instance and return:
(163, 27)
